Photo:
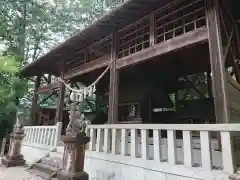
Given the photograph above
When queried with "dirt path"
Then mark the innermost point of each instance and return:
(16, 173)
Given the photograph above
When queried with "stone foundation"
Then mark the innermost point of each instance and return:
(235, 176)
(13, 161)
(63, 175)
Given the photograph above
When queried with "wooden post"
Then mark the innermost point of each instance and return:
(113, 85)
(35, 101)
(217, 62)
(60, 105)
(152, 19)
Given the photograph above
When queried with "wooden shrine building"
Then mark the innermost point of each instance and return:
(173, 61)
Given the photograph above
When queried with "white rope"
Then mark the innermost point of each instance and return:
(90, 86)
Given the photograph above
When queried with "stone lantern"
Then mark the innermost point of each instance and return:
(14, 156)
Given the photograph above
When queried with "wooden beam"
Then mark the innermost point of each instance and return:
(219, 81)
(48, 87)
(35, 101)
(113, 85)
(88, 67)
(198, 36)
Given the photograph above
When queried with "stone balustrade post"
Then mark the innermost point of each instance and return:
(73, 159)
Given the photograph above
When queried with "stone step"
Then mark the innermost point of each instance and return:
(44, 168)
(55, 162)
(41, 174)
(44, 171)
(47, 166)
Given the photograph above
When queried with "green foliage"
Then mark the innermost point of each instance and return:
(11, 89)
(9, 65)
(28, 29)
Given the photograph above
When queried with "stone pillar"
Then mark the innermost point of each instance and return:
(73, 159)
(14, 156)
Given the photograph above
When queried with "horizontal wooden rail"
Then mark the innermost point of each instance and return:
(180, 127)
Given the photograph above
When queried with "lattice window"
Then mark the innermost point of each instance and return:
(99, 49)
(179, 18)
(134, 38)
(89, 54)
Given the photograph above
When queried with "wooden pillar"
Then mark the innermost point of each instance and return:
(35, 101)
(60, 104)
(113, 85)
(152, 20)
(219, 83)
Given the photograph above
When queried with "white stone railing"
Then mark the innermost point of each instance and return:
(146, 141)
(42, 136)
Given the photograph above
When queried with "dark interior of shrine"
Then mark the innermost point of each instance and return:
(173, 88)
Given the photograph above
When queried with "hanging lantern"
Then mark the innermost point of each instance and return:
(94, 88)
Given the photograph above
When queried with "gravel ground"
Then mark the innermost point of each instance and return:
(16, 173)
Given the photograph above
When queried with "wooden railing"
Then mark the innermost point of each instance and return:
(172, 144)
(42, 136)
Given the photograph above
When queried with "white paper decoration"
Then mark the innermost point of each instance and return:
(71, 96)
(82, 94)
